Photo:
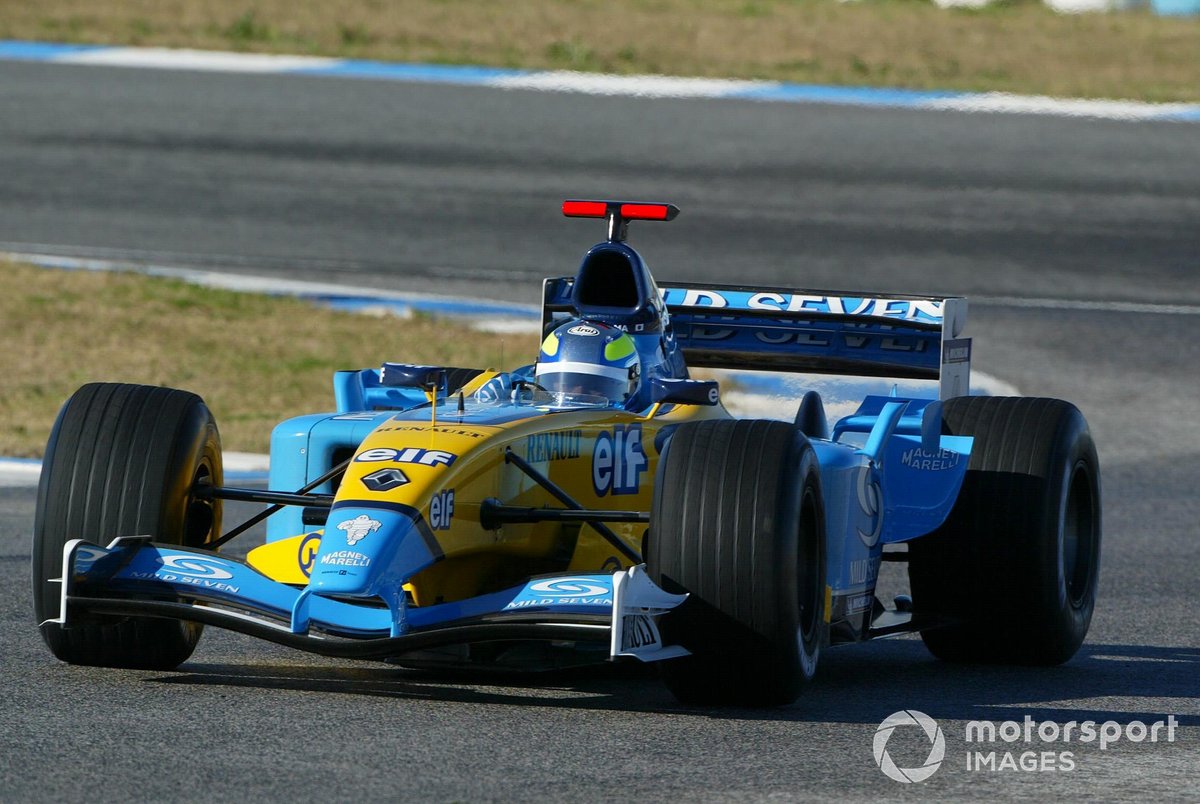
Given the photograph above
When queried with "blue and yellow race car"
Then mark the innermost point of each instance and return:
(600, 503)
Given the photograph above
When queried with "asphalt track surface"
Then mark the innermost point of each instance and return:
(456, 189)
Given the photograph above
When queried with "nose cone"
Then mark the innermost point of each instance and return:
(372, 551)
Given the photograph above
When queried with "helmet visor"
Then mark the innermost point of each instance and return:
(584, 380)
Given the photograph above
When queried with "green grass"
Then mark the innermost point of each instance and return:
(255, 359)
(1013, 45)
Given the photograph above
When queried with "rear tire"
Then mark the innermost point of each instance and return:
(737, 521)
(1017, 560)
(122, 461)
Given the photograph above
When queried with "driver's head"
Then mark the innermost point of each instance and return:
(588, 358)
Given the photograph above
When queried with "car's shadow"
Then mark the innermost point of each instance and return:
(855, 685)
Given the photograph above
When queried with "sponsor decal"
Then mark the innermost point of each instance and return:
(385, 479)
(634, 328)
(864, 570)
(357, 529)
(196, 567)
(424, 457)
(956, 351)
(918, 458)
(86, 556)
(427, 429)
(869, 499)
(703, 329)
(928, 310)
(638, 631)
(583, 329)
(618, 461)
(307, 553)
(554, 446)
(859, 603)
(170, 577)
(345, 558)
(563, 592)
(525, 603)
(441, 510)
(569, 587)
(206, 573)
(356, 417)
(776, 336)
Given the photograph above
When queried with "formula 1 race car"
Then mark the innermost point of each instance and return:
(598, 504)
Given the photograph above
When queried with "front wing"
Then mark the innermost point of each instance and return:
(133, 576)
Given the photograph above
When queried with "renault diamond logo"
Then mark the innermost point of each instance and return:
(385, 480)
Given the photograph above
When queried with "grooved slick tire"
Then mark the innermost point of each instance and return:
(1016, 562)
(737, 521)
(121, 461)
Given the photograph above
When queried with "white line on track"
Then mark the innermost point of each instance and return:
(160, 58)
(71, 257)
(327, 291)
(242, 467)
(1081, 304)
(1005, 103)
(165, 260)
(640, 86)
(637, 86)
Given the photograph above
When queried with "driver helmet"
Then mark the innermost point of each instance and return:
(589, 361)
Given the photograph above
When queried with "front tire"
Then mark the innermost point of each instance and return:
(737, 521)
(1016, 563)
(122, 460)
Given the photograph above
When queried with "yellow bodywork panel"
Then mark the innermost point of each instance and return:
(603, 459)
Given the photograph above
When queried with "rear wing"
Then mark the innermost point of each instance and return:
(811, 331)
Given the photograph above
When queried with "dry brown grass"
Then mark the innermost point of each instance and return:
(255, 359)
(1019, 46)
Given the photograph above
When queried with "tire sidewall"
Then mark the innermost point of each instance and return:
(196, 456)
(807, 492)
(1074, 452)
(39, 564)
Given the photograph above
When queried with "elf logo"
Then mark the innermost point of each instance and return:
(618, 461)
(441, 510)
(425, 457)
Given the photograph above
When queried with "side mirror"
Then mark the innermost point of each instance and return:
(685, 392)
(406, 375)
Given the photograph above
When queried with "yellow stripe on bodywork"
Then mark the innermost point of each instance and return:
(285, 559)
(482, 378)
